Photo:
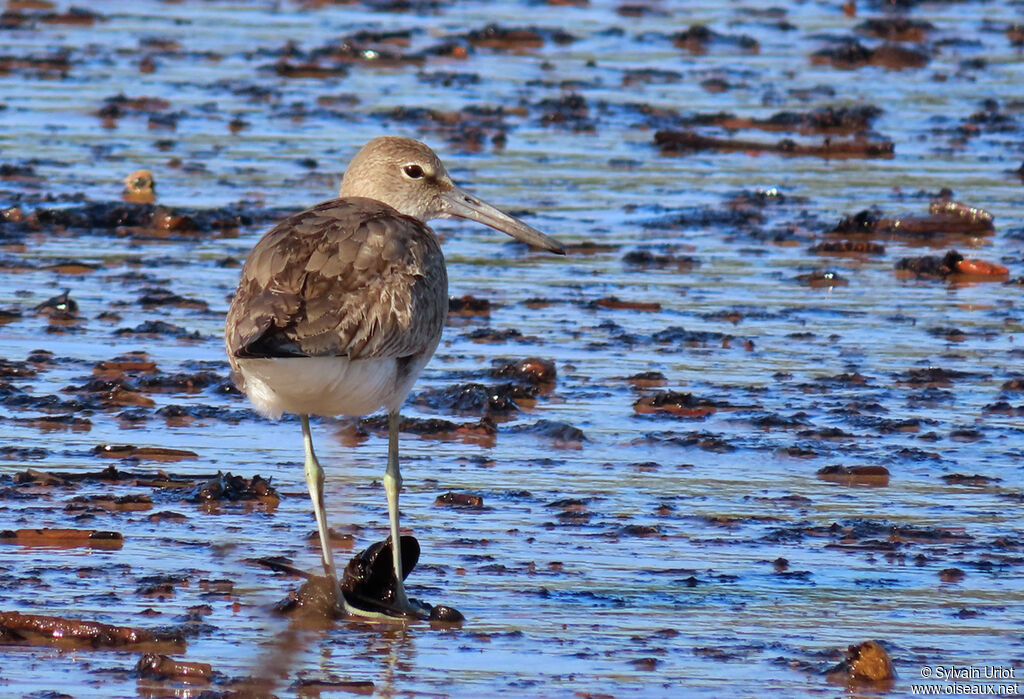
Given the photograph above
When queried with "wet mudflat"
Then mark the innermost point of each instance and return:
(767, 408)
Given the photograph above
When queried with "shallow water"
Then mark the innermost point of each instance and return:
(666, 583)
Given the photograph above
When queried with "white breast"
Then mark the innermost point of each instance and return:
(327, 385)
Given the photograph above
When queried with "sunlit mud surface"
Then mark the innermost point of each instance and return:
(773, 432)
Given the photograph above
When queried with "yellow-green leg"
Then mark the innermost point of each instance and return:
(315, 482)
(393, 484)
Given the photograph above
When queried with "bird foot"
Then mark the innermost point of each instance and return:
(370, 589)
(364, 608)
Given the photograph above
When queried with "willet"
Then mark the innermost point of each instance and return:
(340, 307)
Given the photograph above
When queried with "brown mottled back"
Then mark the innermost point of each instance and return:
(349, 277)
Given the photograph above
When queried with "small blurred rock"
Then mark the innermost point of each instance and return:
(864, 663)
(139, 187)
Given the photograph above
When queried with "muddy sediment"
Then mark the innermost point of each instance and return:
(772, 384)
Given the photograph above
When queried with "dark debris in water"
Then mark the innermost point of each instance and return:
(473, 398)
(60, 306)
(707, 441)
(952, 265)
(677, 404)
(234, 488)
(865, 665)
(698, 38)
(945, 218)
(895, 28)
(469, 306)
(678, 335)
(861, 475)
(822, 278)
(152, 328)
(145, 220)
(35, 629)
(461, 501)
(688, 142)
(847, 247)
(721, 395)
(850, 54)
(561, 433)
(165, 487)
(161, 667)
(484, 430)
(494, 36)
(832, 120)
(532, 371)
(646, 258)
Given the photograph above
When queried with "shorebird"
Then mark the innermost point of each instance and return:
(340, 307)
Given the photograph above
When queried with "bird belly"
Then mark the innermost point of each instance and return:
(326, 385)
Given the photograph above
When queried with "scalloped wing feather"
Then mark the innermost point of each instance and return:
(350, 278)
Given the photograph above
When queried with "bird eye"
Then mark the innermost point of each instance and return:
(414, 172)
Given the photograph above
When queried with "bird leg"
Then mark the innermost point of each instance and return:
(392, 484)
(315, 481)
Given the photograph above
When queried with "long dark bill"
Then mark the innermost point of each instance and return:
(463, 205)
